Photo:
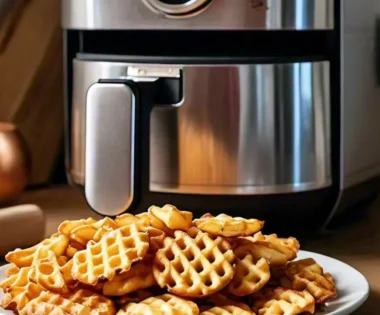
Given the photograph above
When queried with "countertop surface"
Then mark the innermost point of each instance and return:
(357, 244)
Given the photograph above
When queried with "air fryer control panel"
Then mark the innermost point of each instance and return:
(198, 14)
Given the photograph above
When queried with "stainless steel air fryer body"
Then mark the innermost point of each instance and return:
(210, 105)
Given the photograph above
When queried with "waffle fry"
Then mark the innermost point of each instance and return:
(66, 271)
(11, 270)
(282, 301)
(218, 299)
(49, 276)
(227, 226)
(18, 297)
(171, 217)
(24, 257)
(193, 267)
(140, 276)
(307, 275)
(134, 297)
(226, 310)
(162, 304)
(67, 226)
(115, 252)
(156, 239)
(127, 218)
(98, 304)
(250, 276)
(50, 303)
(19, 279)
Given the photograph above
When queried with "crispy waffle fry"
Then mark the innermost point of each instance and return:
(276, 250)
(98, 304)
(49, 276)
(66, 271)
(115, 252)
(218, 299)
(271, 301)
(194, 267)
(24, 257)
(88, 232)
(16, 299)
(134, 297)
(50, 303)
(141, 219)
(11, 270)
(227, 226)
(156, 239)
(226, 310)
(19, 279)
(262, 250)
(250, 276)
(171, 217)
(162, 304)
(140, 276)
(70, 252)
(306, 274)
(67, 226)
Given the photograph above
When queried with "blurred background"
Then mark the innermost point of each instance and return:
(31, 95)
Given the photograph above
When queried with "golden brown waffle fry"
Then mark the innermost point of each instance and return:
(227, 226)
(87, 232)
(19, 279)
(295, 267)
(226, 310)
(24, 257)
(218, 299)
(49, 276)
(278, 278)
(306, 274)
(127, 218)
(98, 304)
(289, 245)
(16, 299)
(115, 252)
(134, 297)
(11, 270)
(62, 260)
(156, 239)
(70, 252)
(250, 276)
(271, 301)
(50, 303)
(67, 226)
(66, 271)
(194, 267)
(262, 250)
(171, 217)
(140, 276)
(276, 250)
(162, 304)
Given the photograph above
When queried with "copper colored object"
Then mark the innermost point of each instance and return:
(14, 163)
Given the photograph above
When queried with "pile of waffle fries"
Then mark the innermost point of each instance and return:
(164, 262)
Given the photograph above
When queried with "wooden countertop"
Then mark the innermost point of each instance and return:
(357, 244)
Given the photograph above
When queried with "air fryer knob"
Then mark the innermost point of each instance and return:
(176, 9)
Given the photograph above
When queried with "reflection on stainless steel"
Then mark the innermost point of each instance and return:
(110, 116)
(222, 14)
(183, 9)
(245, 130)
(85, 75)
(241, 129)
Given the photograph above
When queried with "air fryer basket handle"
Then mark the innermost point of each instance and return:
(115, 110)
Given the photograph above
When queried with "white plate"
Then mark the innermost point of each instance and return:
(353, 288)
